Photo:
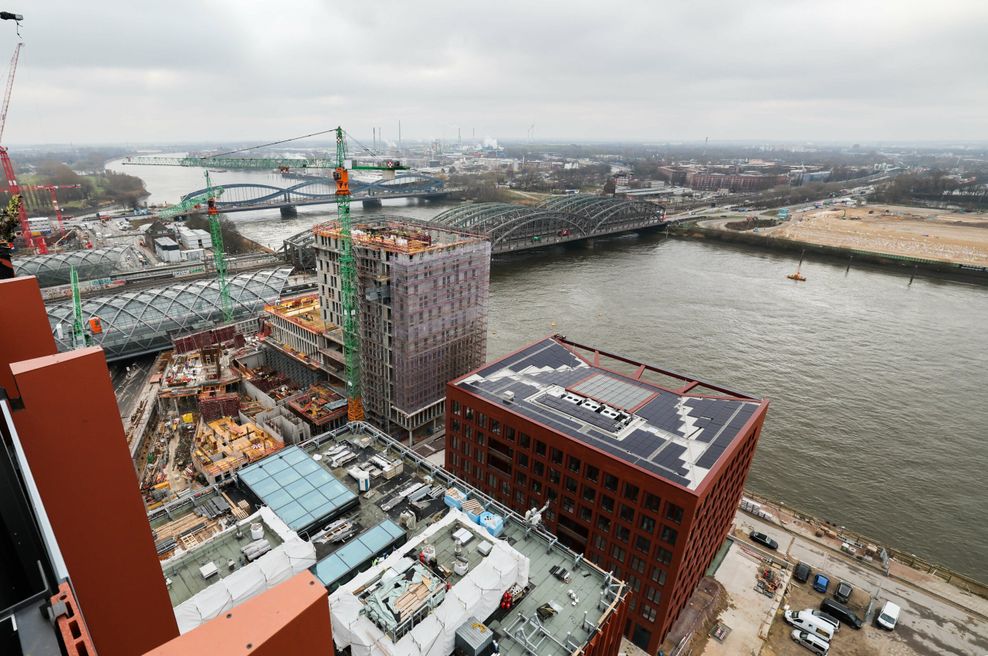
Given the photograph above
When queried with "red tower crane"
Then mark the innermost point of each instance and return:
(52, 189)
(8, 167)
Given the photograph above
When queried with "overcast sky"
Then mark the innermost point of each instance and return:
(150, 71)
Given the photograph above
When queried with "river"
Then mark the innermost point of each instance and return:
(879, 403)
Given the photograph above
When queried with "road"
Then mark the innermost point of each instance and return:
(929, 623)
(128, 380)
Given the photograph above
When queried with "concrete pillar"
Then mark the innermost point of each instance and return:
(371, 203)
(288, 211)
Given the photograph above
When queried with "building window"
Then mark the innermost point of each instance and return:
(467, 412)
(653, 595)
(481, 420)
(520, 478)
(647, 523)
(455, 406)
(618, 554)
(600, 542)
(604, 524)
(642, 544)
(540, 448)
(668, 535)
(568, 504)
(622, 533)
(586, 514)
(468, 431)
(631, 492)
(573, 464)
(554, 476)
(557, 456)
(589, 494)
(607, 503)
(509, 433)
(455, 443)
(495, 427)
(571, 484)
(592, 473)
(648, 612)
(610, 482)
(627, 513)
(537, 487)
(539, 468)
(480, 438)
(659, 576)
(524, 440)
(638, 564)
(674, 512)
(522, 460)
(664, 556)
(652, 502)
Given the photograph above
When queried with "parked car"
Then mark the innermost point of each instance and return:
(841, 612)
(888, 616)
(826, 617)
(815, 644)
(843, 592)
(805, 620)
(821, 583)
(763, 540)
(802, 572)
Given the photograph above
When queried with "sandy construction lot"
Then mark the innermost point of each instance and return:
(911, 231)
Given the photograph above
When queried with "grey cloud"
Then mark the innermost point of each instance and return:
(762, 69)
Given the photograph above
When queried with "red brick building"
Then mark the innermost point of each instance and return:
(643, 470)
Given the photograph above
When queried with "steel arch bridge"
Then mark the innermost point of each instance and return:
(244, 196)
(565, 218)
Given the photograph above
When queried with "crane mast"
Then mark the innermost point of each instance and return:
(219, 256)
(8, 166)
(348, 283)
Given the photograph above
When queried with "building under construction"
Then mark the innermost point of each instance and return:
(423, 292)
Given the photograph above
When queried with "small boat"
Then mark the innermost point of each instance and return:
(797, 276)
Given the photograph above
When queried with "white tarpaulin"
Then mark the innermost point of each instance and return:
(476, 594)
(280, 564)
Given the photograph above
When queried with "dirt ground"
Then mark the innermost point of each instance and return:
(868, 641)
(910, 231)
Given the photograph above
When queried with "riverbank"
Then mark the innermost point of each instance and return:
(820, 240)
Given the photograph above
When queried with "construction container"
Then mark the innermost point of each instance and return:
(493, 523)
(455, 497)
(474, 638)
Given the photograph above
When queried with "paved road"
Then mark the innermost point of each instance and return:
(128, 380)
(929, 623)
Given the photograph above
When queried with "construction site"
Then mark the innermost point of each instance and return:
(410, 555)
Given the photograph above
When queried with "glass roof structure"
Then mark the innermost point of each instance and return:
(54, 268)
(365, 547)
(300, 492)
(140, 322)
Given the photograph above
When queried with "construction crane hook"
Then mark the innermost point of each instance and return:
(17, 18)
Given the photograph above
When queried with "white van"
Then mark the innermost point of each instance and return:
(807, 621)
(815, 644)
(888, 616)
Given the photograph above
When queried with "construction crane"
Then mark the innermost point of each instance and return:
(348, 271)
(79, 338)
(219, 256)
(52, 190)
(190, 204)
(8, 167)
(341, 167)
(279, 163)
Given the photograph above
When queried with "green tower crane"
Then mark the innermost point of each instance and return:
(219, 256)
(79, 338)
(348, 284)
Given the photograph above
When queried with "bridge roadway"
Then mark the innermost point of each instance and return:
(367, 200)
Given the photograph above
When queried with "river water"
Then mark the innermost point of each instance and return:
(879, 394)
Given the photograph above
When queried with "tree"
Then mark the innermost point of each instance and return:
(610, 187)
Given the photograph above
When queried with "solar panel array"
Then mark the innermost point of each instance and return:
(613, 391)
(720, 420)
(296, 488)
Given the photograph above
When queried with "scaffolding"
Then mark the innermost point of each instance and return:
(423, 293)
